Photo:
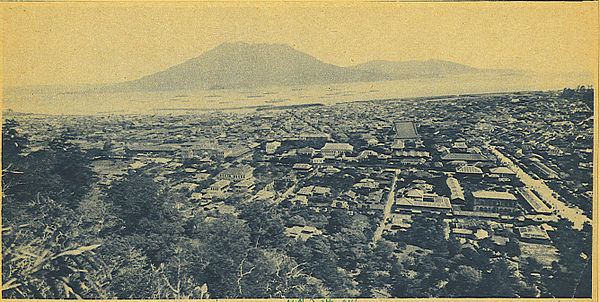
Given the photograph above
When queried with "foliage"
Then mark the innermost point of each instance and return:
(43, 254)
(66, 237)
(43, 267)
(571, 273)
(424, 232)
(265, 223)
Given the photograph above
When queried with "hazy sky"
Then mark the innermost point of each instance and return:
(85, 43)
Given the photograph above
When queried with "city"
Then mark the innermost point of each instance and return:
(487, 195)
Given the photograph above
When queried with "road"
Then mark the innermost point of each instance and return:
(291, 190)
(387, 211)
(286, 194)
(574, 214)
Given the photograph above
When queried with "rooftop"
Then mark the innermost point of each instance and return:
(337, 146)
(533, 232)
(494, 195)
(536, 203)
(405, 130)
(502, 170)
(439, 202)
(239, 170)
(220, 184)
(469, 170)
(464, 156)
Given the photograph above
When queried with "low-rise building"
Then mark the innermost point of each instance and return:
(301, 167)
(333, 150)
(469, 171)
(236, 173)
(217, 188)
(271, 147)
(302, 232)
(245, 185)
(536, 204)
(457, 195)
(415, 199)
(308, 151)
(502, 171)
(467, 157)
(496, 202)
(533, 233)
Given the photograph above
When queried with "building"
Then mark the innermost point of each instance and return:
(459, 146)
(436, 203)
(405, 130)
(457, 195)
(236, 173)
(308, 151)
(219, 186)
(331, 170)
(318, 160)
(398, 144)
(205, 147)
(415, 199)
(534, 202)
(315, 136)
(366, 183)
(460, 232)
(478, 215)
(302, 232)
(413, 161)
(314, 191)
(271, 147)
(398, 222)
(333, 150)
(302, 167)
(467, 157)
(544, 171)
(411, 153)
(495, 202)
(469, 171)
(236, 151)
(533, 233)
(246, 185)
(503, 171)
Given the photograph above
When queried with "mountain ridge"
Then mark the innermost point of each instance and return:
(244, 65)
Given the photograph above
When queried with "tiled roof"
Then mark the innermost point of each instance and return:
(494, 195)
(464, 156)
(406, 130)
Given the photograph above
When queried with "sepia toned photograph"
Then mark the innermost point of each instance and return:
(298, 150)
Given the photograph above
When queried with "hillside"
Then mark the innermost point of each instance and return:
(243, 65)
(233, 65)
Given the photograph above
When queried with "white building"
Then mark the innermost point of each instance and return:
(333, 150)
(271, 147)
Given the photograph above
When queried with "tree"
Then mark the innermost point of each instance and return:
(337, 220)
(129, 274)
(570, 273)
(463, 282)
(424, 232)
(321, 264)
(142, 204)
(498, 282)
(35, 267)
(44, 255)
(265, 223)
(222, 255)
(375, 273)
(513, 248)
(59, 173)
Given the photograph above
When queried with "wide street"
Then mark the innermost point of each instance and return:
(387, 211)
(571, 213)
